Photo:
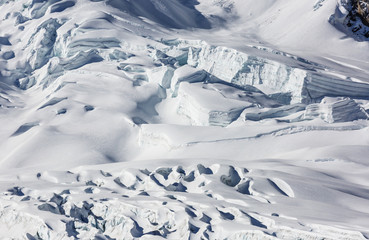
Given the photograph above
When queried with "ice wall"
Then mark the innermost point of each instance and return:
(243, 69)
(318, 86)
(335, 110)
(304, 85)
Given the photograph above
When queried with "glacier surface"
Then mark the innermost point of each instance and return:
(158, 119)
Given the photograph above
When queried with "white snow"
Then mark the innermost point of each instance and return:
(173, 119)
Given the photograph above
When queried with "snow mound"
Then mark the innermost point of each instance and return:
(181, 202)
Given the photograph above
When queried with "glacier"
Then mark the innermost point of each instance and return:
(158, 119)
(152, 204)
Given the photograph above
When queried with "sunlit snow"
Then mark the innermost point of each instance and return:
(175, 119)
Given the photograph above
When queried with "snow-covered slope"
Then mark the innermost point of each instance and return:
(208, 119)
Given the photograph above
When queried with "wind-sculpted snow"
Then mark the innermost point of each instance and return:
(179, 119)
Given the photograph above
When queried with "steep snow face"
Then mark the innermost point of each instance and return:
(173, 14)
(212, 119)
